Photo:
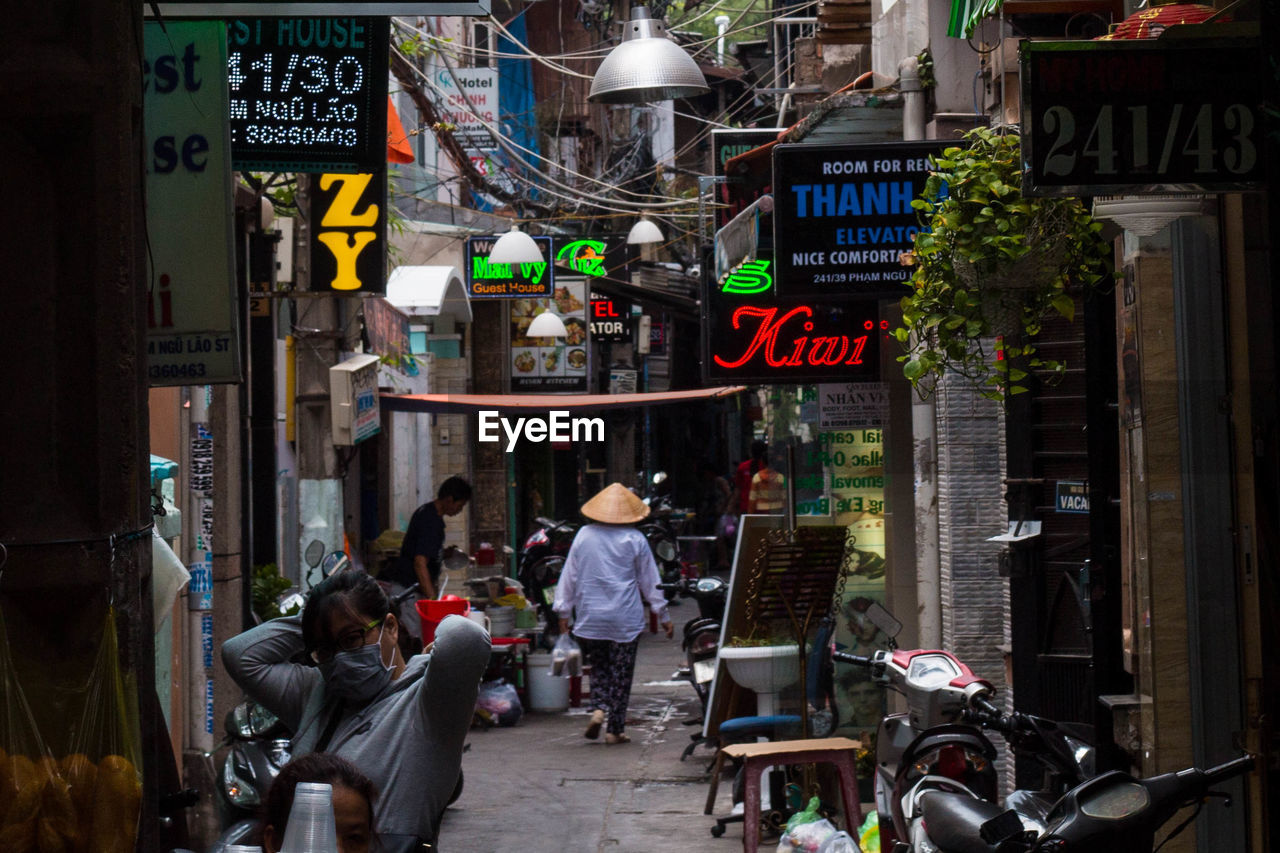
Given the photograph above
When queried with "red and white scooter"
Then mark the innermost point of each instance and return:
(939, 743)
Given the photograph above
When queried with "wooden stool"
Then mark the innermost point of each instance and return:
(756, 757)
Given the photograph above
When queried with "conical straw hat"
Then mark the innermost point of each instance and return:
(615, 504)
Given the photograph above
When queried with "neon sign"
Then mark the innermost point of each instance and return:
(750, 277)
(771, 341)
(584, 256)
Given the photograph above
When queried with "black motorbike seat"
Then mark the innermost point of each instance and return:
(953, 821)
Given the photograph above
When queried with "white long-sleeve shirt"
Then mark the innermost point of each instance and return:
(607, 578)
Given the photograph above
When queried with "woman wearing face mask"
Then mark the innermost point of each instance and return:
(400, 722)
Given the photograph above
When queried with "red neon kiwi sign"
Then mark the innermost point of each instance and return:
(794, 341)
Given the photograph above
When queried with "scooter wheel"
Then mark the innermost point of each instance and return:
(717, 830)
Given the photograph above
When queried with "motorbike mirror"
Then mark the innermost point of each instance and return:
(334, 563)
(314, 553)
(659, 478)
(454, 559)
(883, 619)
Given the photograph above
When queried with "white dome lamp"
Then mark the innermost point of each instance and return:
(515, 247)
(645, 231)
(547, 325)
(646, 66)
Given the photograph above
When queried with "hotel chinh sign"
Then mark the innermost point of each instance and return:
(842, 217)
(1133, 116)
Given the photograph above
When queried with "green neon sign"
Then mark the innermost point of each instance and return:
(751, 277)
(584, 256)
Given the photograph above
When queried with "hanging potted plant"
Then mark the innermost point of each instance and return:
(991, 264)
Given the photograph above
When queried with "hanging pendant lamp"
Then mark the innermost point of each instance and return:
(515, 247)
(645, 231)
(547, 325)
(646, 66)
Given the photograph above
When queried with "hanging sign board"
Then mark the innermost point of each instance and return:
(1132, 116)
(842, 405)
(349, 233)
(842, 217)
(308, 94)
(593, 257)
(725, 145)
(755, 337)
(487, 280)
(237, 8)
(551, 364)
(192, 326)
(610, 320)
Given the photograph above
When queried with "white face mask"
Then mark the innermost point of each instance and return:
(357, 676)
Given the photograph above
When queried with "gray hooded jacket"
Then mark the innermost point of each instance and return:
(408, 740)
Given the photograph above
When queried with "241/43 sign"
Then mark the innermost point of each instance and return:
(1111, 117)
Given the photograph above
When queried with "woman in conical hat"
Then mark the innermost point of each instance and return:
(608, 579)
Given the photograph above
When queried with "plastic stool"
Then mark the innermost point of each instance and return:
(755, 757)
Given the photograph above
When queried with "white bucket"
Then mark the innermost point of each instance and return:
(502, 621)
(547, 692)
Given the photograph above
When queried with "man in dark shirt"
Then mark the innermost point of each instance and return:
(420, 552)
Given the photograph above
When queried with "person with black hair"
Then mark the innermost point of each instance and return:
(353, 797)
(424, 540)
(400, 722)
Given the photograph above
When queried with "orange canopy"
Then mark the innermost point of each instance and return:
(398, 149)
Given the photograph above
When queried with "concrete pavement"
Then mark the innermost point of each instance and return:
(541, 787)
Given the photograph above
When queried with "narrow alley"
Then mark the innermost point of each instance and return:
(541, 787)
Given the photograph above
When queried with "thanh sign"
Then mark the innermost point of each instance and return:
(192, 326)
(349, 240)
(842, 217)
(1161, 115)
(487, 280)
(308, 94)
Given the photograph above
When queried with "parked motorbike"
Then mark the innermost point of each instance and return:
(939, 743)
(701, 636)
(542, 560)
(1111, 813)
(662, 528)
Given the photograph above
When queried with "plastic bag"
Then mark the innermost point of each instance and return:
(566, 657)
(840, 842)
(28, 774)
(498, 701)
(869, 834)
(806, 837)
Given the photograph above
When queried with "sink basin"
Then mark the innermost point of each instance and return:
(764, 669)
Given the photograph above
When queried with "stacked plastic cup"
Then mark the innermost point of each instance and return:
(242, 848)
(311, 827)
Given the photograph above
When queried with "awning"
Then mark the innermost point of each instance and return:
(444, 403)
(668, 300)
(429, 291)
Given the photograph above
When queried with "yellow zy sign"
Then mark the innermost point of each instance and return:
(349, 250)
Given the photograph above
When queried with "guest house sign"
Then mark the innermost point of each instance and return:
(1159, 115)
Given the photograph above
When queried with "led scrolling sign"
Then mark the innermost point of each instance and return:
(308, 94)
(1165, 115)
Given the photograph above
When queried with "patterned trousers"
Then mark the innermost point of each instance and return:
(612, 667)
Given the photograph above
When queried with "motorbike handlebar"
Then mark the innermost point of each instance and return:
(1235, 767)
(856, 660)
(983, 704)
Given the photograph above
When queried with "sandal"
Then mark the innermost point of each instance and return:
(611, 738)
(593, 727)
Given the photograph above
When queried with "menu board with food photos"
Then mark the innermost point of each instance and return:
(540, 365)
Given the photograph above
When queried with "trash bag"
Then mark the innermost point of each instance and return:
(806, 837)
(566, 657)
(840, 842)
(499, 702)
(869, 834)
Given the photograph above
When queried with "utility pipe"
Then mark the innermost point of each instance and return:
(722, 26)
(924, 433)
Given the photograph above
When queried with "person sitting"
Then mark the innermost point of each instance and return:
(353, 797)
(400, 722)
